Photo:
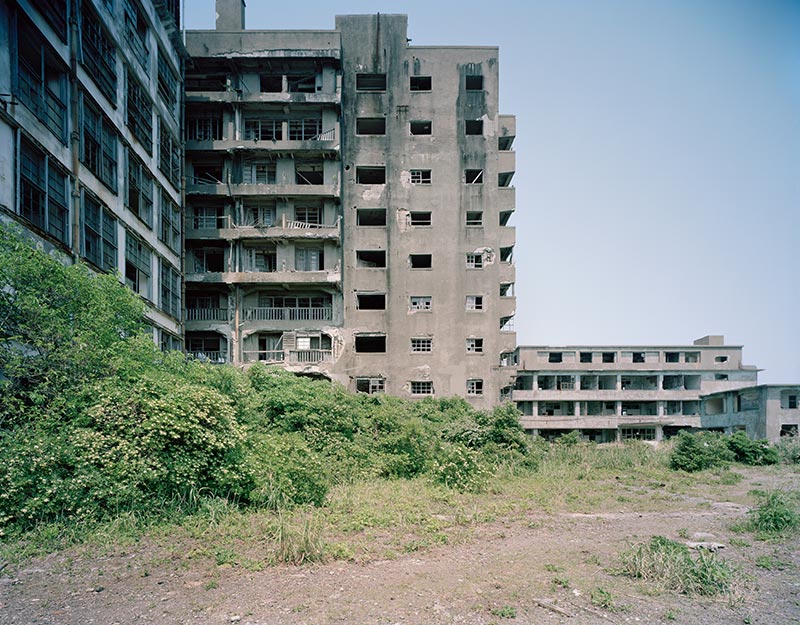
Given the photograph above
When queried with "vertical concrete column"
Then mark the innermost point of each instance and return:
(618, 408)
(659, 433)
(576, 409)
(619, 382)
(535, 408)
(660, 408)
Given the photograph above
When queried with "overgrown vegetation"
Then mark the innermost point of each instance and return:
(670, 564)
(776, 514)
(706, 450)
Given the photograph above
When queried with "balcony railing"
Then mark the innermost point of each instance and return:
(206, 314)
(208, 356)
(294, 356)
(288, 314)
(269, 355)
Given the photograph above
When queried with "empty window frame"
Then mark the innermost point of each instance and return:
(474, 261)
(309, 172)
(371, 216)
(99, 144)
(420, 302)
(720, 359)
(302, 82)
(585, 357)
(638, 434)
(555, 357)
(507, 290)
(637, 357)
(421, 345)
(507, 254)
(504, 217)
(473, 83)
(474, 302)
(609, 357)
(371, 258)
(263, 129)
(371, 175)
(210, 260)
(311, 215)
(473, 127)
(370, 125)
(371, 82)
(474, 219)
(475, 346)
(139, 189)
(169, 154)
(137, 265)
(370, 343)
(259, 214)
(504, 179)
(420, 176)
(420, 261)
(305, 129)
(169, 223)
(167, 83)
(271, 83)
(371, 301)
(44, 192)
(475, 387)
(421, 387)
(139, 114)
(309, 259)
(98, 53)
(692, 357)
(420, 127)
(419, 218)
(420, 83)
(473, 176)
(99, 245)
(170, 289)
(41, 79)
(136, 31)
(258, 172)
(370, 385)
(205, 127)
(672, 357)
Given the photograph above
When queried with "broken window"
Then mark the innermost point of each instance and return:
(139, 189)
(370, 258)
(262, 129)
(209, 259)
(370, 343)
(169, 154)
(170, 289)
(371, 216)
(258, 172)
(474, 218)
(98, 53)
(672, 357)
(271, 83)
(420, 83)
(419, 218)
(504, 179)
(473, 83)
(473, 127)
(206, 127)
(420, 302)
(474, 261)
(420, 261)
(474, 302)
(205, 347)
(507, 325)
(609, 356)
(371, 301)
(139, 112)
(371, 175)
(475, 387)
(305, 129)
(99, 234)
(421, 387)
(311, 215)
(586, 357)
(420, 176)
(504, 217)
(308, 173)
(167, 83)
(169, 223)
(55, 12)
(507, 254)
(309, 259)
(370, 82)
(507, 290)
(259, 215)
(504, 143)
(136, 31)
(692, 357)
(370, 385)
(474, 346)
(137, 265)
(421, 127)
(720, 359)
(371, 126)
(473, 176)
(720, 376)
(638, 356)
(423, 344)
(98, 144)
(638, 434)
(555, 357)
(302, 83)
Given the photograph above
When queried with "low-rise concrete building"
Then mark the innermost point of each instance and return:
(611, 392)
(765, 411)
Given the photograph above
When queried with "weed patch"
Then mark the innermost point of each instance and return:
(776, 514)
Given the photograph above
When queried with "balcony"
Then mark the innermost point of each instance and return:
(278, 278)
(261, 97)
(323, 142)
(199, 187)
(215, 358)
(223, 228)
(292, 357)
(287, 314)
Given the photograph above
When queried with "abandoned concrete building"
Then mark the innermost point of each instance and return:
(90, 139)
(324, 170)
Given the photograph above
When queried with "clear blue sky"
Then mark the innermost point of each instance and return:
(658, 161)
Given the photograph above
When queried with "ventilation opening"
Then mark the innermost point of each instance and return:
(474, 83)
(371, 126)
(370, 258)
(371, 301)
(474, 127)
(371, 175)
(420, 83)
(419, 218)
(371, 216)
(421, 261)
(371, 82)
(371, 344)
(421, 127)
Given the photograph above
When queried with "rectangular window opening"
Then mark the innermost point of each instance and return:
(371, 301)
(420, 302)
(371, 175)
(421, 127)
(474, 345)
(420, 83)
(474, 218)
(474, 302)
(371, 126)
(475, 387)
(473, 127)
(473, 83)
(422, 387)
(420, 261)
(371, 216)
(420, 345)
(371, 82)
(370, 258)
(474, 261)
(473, 176)
(370, 343)
(420, 176)
(419, 218)
(370, 385)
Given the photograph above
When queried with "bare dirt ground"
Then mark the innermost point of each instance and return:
(538, 569)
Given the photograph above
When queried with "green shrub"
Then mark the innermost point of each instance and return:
(699, 451)
(788, 449)
(751, 452)
(671, 565)
(775, 514)
(460, 468)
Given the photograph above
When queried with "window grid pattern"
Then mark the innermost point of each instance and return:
(170, 289)
(422, 302)
(99, 146)
(139, 196)
(140, 112)
(137, 265)
(423, 344)
(370, 385)
(420, 176)
(474, 261)
(257, 129)
(421, 387)
(136, 32)
(475, 387)
(167, 83)
(205, 128)
(43, 192)
(169, 155)
(170, 223)
(99, 234)
(474, 345)
(98, 53)
(474, 302)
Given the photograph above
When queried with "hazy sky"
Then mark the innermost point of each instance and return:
(658, 161)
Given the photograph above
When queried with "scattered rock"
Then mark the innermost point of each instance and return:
(705, 545)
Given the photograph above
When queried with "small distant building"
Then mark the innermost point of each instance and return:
(764, 411)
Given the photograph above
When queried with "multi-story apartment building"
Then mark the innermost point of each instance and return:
(621, 391)
(348, 201)
(90, 142)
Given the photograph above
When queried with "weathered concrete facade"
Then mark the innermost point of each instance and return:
(325, 170)
(621, 391)
(764, 411)
(90, 139)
